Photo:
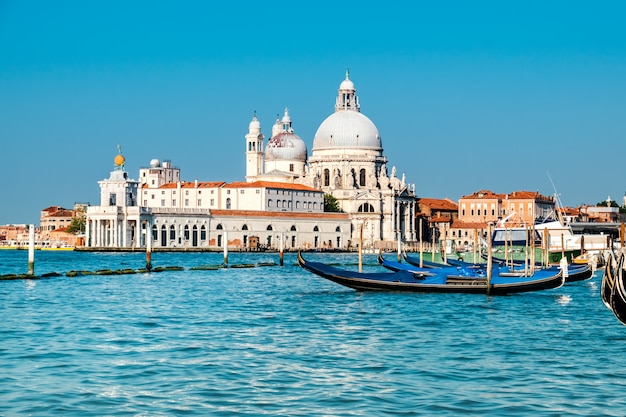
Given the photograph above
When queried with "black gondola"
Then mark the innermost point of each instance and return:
(406, 281)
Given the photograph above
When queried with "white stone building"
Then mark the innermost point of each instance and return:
(346, 162)
(205, 215)
(282, 198)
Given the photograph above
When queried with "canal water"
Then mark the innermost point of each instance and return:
(274, 340)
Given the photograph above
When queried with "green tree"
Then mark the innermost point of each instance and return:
(331, 204)
(77, 225)
(604, 204)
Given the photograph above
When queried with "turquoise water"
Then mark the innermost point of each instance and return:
(279, 341)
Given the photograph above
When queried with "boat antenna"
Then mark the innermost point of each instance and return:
(557, 198)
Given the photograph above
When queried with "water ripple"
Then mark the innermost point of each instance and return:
(279, 341)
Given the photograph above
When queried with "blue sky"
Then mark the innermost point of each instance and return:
(466, 95)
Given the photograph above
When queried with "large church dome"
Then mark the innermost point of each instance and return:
(347, 127)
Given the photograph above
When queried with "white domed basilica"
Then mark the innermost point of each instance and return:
(346, 162)
(281, 202)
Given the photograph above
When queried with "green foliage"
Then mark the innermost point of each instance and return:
(331, 204)
(77, 225)
(604, 204)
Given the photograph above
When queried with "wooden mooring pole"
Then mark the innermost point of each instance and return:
(31, 250)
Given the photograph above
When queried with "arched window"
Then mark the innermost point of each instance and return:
(362, 177)
(316, 229)
(269, 203)
(172, 232)
(293, 228)
(155, 233)
(186, 234)
(244, 227)
(366, 208)
(326, 177)
(338, 229)
(228, 203)
(203, 233)
(269, 227)
(219, 227)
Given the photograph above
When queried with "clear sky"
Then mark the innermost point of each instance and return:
(466, 95)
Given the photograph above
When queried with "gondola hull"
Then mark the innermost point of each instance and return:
(618, 293)
(406, 281)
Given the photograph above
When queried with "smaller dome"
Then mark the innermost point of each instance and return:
(286, 146)
(346, 85)
(254, 124)
(119, 160)
(155, 163)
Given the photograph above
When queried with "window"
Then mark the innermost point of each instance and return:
(145, 202)
(152, 196)
(186, 202)
(290, 167)
(163, 203)
(362, 177)
(212, 201)
(228, 204)
(112, 199)
(242, 191)
(326, 177)
(174, 203)
(172, 232)
(162, 191)
(199, 202)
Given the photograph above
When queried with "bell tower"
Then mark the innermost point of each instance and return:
(254, 150)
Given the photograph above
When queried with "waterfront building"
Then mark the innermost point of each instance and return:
(210, 215)
(18, 236)
(482, 208)
(282, 196)
(53, 218)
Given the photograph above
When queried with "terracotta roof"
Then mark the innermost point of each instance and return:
(281, 214)
(522, 195)
(192, 184)
(459, 224)
(62, 213)
(222, 184)
(271, 184)
(435, 203)
(53, 208)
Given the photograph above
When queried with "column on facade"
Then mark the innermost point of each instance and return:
(96, 232)
(87, 232)
(125, 231)
(115, 236)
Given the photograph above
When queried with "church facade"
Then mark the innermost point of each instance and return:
(281, 203)
(347, 162)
